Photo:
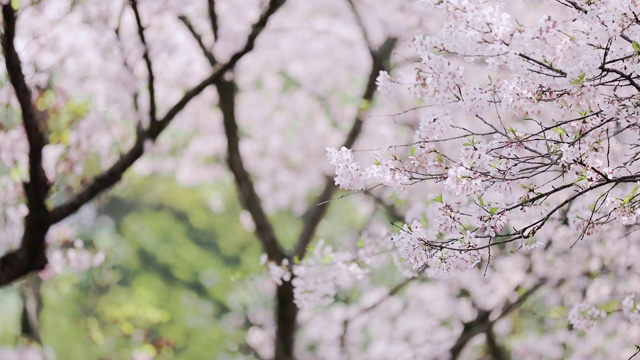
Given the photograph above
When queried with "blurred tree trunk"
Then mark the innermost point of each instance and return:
(286, 322)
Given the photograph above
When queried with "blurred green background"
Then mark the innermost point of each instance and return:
(179, 275)
(171, 263)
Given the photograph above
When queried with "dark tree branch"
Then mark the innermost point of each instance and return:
(257, 28)
(31, 254)
(496, 351)
(574, 5)
(102, 181)
(286, 310)
(622, 74)
(213, 18)
(315, 213)
(248, 195)
(112, 175)
(147, 60)
(543, 65)
(363, 30)
(482, 323)
(208, 54)
(32, 119)
(286, 320)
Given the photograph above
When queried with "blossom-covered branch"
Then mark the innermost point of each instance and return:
(315, 213)
(112, 175)
(537, 138)
(31, 254)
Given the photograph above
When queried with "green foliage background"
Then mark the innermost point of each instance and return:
(170, 267)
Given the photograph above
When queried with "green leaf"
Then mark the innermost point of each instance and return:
(579, 79)
(481, 201)
(412, 151)
(438, 199)
(15, 4)
(377, 163)
(559, 130)
(493, 210)
(468, 227)
(472, 141)
(610, 306)
(635, 46)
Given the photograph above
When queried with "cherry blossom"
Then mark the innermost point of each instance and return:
(527, 124)
(584, 316)
(504, 152)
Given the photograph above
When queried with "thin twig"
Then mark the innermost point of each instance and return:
(147, 60)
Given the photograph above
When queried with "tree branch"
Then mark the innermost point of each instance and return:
(623, 75)
(213, 18)
(31, 117)
(147, 60)
(248, 195)
(363, 30)
(496, 351)
(483, 324)
(112, 175)
(257, 28)
(31, 254)
(315, 213)
(208, 54)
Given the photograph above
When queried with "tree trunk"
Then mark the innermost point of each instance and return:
(286, 322)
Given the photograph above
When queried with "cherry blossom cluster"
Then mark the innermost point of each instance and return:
(441, 257)
(630, 309)
(513, 124)
(322, 274)
(528, 120)
(583, 316)
(350, 175)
